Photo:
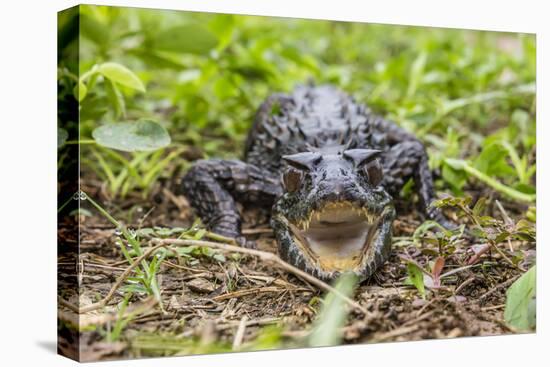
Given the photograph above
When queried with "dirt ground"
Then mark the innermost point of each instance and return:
(210, 305)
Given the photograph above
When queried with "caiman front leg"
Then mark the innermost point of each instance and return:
(214, 186)
(408, 159)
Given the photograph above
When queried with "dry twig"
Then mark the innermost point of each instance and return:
(265, 256)
(498, 287)
(237, 341)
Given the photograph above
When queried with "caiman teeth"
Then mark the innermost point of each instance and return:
(318, 215)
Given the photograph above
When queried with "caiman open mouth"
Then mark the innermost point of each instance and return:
(336, 236)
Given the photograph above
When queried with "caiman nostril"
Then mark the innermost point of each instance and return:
(335, 193)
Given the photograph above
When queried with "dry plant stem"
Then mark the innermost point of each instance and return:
(103, 318)
(498, 287)
(220, 238)
(257, 230)
(492, 307)
(246, 292)
(419, 318)
(421, 311)
(505, 215)
(265, 256)
(508, 221)
(475, 258)
(394, 333)
(67, 304)
(255, 322)
(505, 257)
(181, 267)
(464, 284)
(237, 341)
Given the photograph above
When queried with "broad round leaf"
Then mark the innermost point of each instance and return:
(122, 75)
(132, 136)
(188, 38)
(62, 136)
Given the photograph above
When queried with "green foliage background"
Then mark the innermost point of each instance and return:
(469, 95)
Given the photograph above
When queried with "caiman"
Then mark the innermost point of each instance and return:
(330, 169)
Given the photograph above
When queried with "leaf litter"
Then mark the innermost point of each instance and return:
(428, 289)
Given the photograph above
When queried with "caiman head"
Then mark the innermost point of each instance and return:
(334, 215)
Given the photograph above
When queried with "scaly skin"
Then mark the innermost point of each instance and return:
(306, 151)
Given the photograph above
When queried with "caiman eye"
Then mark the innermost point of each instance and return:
(292, 179)
(366, 161)
(373, 171)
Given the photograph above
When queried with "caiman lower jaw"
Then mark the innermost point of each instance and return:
(337, 236)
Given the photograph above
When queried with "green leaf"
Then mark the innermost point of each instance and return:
(416, 278)
(224, 89)
(480, 206)
(122, 75)
(62, 136)
(224, 26)
(455, 178)
(457, 164)
(158, 59)
(80, 91)
(328, 325)
(188, 38)
(417, 71)
(116, 98)
(132, 136)
(94, 30)
(531, 213)
(520, 312)
(93, 107)
(472, 171)
(492, 161)
(422, 229)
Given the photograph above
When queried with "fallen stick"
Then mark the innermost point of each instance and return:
(254, 322)
(265, 256)
(246, 292)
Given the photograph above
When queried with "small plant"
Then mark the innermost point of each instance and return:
(416, 278)
(123, 175)
(145, 279)
(112, 333)
(493, 232)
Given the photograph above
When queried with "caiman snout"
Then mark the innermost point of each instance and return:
(331, 191)
(336, 194)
